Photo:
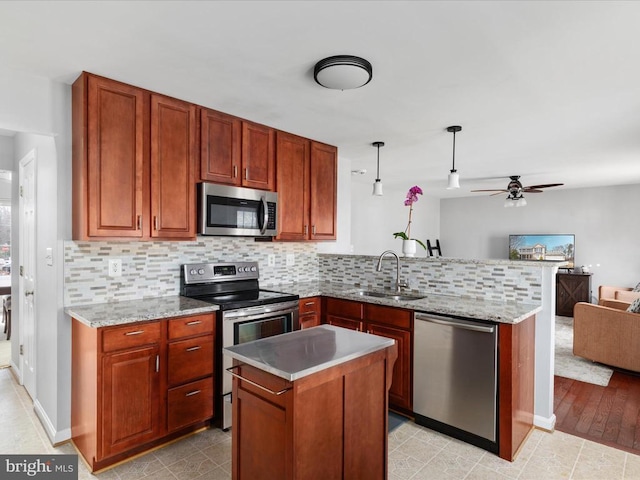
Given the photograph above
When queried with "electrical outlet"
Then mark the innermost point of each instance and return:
(115, 267)
(291, 259)
(271, 260)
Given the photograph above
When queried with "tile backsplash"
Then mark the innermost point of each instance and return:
(152, 269)
(499, 280)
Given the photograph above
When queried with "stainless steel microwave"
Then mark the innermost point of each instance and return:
(236, 211)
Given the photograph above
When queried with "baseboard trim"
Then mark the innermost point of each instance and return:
(55, 437)
(544, 423)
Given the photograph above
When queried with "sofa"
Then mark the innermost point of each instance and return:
(624, 294)
(607, 333)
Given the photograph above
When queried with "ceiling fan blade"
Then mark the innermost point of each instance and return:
(548, 185)
(492, 190)
(498, 193)
(530, 190)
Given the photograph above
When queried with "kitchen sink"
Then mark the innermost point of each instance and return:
(389, 295)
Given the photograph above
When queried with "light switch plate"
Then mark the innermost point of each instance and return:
(115, 267)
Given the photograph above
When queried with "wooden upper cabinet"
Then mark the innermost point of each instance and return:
(108, 120)
(323, 191)
(306, 182)
(173, 150)
(220, 147)
(258, 156)
(134, 158)
(292, 182)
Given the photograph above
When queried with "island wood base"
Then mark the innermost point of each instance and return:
(330, 425)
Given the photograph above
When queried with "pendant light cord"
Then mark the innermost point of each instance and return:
(378, 174)
(454, 152)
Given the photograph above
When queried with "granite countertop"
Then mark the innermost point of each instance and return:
(301, 353)
(119, 313)
(466, 307)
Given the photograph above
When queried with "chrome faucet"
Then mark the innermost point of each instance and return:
(379, 268)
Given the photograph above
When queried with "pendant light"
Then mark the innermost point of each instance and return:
(377, 185)
(454, 179)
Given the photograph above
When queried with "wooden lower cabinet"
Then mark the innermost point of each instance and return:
(137, 386)
(329, 425)
(310, 310)
(130, 399)
(390, 322)
(516, 368)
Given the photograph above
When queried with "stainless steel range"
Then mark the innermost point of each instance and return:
(246, 313)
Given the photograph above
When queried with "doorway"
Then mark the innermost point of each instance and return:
(5, 268)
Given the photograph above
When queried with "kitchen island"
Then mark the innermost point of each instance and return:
(311, 404)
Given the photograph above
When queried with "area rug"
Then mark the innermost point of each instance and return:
(568, 365)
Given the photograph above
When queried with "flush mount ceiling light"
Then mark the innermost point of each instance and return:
(377, 185)
(343, 72)
(454, 179)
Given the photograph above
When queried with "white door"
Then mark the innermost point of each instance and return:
(27, 274)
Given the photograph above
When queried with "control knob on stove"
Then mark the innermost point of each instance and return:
(201, 271)
(193, 271)
(253, 269)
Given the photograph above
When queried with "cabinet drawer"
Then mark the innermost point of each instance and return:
(309, 305)
(191, 403)
(344, 308)
(134, 335)
(388, 315)
(309, 320)
(345, 323)
(189, 359)
(189, 326)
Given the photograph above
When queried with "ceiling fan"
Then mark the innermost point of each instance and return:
(515, 191)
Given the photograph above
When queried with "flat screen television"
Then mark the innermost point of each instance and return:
(538, 247)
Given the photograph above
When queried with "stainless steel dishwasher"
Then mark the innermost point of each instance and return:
(455, 378)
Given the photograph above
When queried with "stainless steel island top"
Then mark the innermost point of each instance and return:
(295, 355)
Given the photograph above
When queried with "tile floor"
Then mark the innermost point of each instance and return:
(415, 453)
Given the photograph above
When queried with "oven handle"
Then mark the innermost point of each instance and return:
(254, 383)
(248, 314)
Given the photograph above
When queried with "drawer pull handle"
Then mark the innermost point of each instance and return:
(308, 304)
(193, 349)
(195, 322)
(195, 392)
(137, 332)
(256, 384)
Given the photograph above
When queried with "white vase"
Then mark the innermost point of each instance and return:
(409, 248)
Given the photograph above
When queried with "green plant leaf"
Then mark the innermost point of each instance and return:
(401, 235)
(420, 242)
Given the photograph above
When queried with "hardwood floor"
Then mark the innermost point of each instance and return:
(608, 415)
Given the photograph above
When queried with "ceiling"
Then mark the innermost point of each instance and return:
(546, 90)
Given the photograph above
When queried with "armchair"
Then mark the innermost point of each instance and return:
(607, 333)
(624, 294)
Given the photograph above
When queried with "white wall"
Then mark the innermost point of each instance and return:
(375, 219)
(6, 153)
(34, 104)
(603, 220)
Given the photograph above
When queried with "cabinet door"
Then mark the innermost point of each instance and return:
(571, 289)
(115, 157)
(130, 399)
(323, 179)
(220, 154)
(258, 156)
(292, 183)
(400, 393)
(173, 141)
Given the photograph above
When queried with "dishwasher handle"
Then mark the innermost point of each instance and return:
(452, 322)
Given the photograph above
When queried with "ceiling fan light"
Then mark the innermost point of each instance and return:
(343, 72)
(377, 188)
(521, 202)
(454, 180)
(509, 202)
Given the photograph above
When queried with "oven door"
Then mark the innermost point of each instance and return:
(236, 211)
(248, 324)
